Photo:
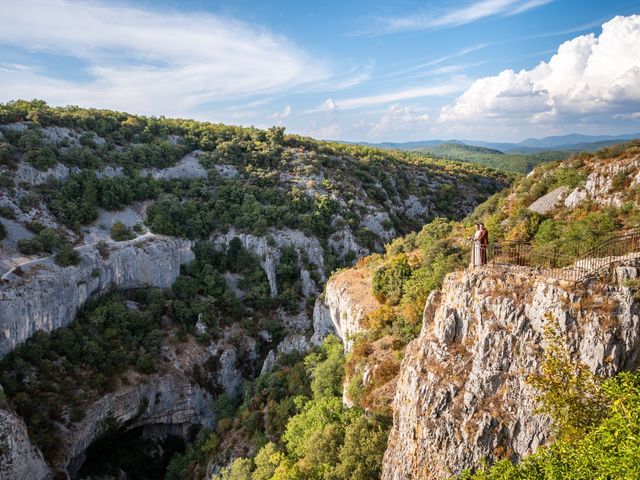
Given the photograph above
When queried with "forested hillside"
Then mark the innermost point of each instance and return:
(510, 162)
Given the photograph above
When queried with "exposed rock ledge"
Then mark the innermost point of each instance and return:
(40, 295)
(347, 300)
(462, 396)
(19, 459)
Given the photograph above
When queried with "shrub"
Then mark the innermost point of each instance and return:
(568, 391)
(120, 232)
(388, 281)
(67, 256)
(7, 212)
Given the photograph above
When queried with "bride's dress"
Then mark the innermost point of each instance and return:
(476, 255)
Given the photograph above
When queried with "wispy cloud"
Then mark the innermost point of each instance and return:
(453, 86)
(432, 19)
(146, 60)
(437, 61)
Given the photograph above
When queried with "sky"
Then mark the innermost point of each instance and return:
(493, 70)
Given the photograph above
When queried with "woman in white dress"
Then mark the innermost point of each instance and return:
(476, 251)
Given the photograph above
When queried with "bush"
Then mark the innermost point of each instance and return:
(7, 212)
(388, 281)
(120, 232)
(67, 256)
(608, 449)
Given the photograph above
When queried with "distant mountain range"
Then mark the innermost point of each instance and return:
(569, 142)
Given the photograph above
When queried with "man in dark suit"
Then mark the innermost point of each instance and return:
(484, 243)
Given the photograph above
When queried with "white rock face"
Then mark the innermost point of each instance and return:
(187, 167)
(462, 395)
(28, 174)
(322, 324)
(19, 459)
(342, 242)
(295, 342)
(374, 222)
(413, 208)
(269, 362)
(43, 296)
(599, 186)
(56, 135)
(347, 300)
(575, 198)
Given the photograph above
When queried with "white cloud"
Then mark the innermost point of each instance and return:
(282, 114)
(589, 75)
(453, 17)
(148, 61)
(399, 118)
(455, 85)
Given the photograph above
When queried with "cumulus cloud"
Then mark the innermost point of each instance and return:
(589, 75)
(147, 60)
(398, 118)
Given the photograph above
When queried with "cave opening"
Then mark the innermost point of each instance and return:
(141, 453)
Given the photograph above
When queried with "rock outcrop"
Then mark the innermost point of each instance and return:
(187, 167)
(19, 459)
(610, 182)
(462, 394)
(40, 295)
(548, 202)
(347, 300)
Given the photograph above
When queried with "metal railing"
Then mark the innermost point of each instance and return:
(551, 263)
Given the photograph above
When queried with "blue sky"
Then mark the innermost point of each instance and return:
(351, 70)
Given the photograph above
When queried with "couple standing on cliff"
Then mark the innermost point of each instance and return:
(480, 244)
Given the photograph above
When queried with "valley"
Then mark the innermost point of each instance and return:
(189, 300)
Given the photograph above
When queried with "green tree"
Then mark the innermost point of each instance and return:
(364, 446)
(267, 461)
(240, 469)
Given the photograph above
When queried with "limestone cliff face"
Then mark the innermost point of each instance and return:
(40, 295)
(347, 300)
(18, 457)
(462, 395)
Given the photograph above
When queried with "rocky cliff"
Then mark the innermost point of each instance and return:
(346, 301)
(462, 394)
(40, 295)
(18, 457)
